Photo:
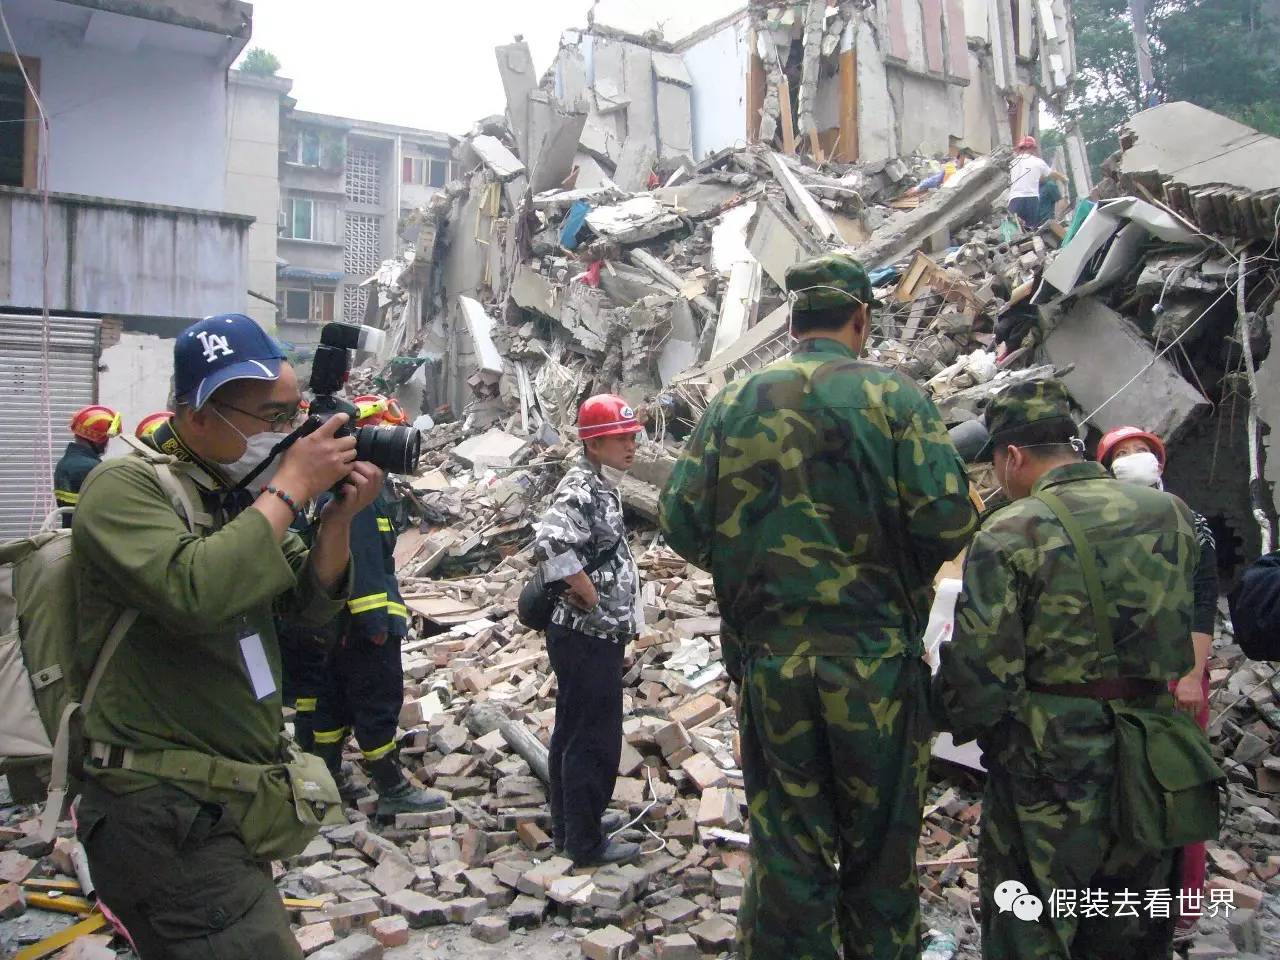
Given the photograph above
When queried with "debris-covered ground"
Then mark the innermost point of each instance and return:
(1155, 307)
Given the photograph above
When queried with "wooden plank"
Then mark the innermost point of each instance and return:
(51, 945)
(785, 118)
(848, 106)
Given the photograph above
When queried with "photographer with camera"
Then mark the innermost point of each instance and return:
(181, 552)
(362, 685)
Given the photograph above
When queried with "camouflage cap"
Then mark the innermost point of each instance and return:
(831, 280)
(1021, 405)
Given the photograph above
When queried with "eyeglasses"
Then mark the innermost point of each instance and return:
(280, 423)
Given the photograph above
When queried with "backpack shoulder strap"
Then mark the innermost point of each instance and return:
(172, 484)
(1092, 581)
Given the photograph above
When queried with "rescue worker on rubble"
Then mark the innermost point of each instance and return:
(589, 631)
(1138, 456)
(93, 427)
(1027, 172)
(190, 790)
(362, 689)
(1028, 674)
(823, 493)
(150, 423)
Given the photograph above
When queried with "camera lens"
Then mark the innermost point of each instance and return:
(394, 449)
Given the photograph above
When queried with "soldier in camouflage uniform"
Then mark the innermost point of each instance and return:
(1025, 675)
(582, 540)
(823, 493)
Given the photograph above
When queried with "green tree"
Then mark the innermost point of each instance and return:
(260, 62)
(1219, 54)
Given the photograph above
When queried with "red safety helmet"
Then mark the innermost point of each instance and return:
(1119, 435)
(369, 409)
(148, 424)
(606, 415)
(1028, 143)
(97, 424)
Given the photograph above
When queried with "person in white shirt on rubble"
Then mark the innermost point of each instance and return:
(1026, 174)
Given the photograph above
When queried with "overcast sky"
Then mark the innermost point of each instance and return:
(418, 63)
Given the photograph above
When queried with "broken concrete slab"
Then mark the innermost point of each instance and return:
(494, 448)
(778, 240)
(635, 164)
(1198, 147)
(532, 291)
(674, 104)
(1108, 351)
(515, 64)
(480, 326)
(553, 155)
(634, 221)
(802, 201)
(502, 163)
(739, 305)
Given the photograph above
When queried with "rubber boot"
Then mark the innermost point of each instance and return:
(304, 730)
(397, 795)
(348, 789)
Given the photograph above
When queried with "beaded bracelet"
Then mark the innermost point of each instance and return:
(276, 491)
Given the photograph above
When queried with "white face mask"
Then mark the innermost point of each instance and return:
(1140, 468)
(257, 449)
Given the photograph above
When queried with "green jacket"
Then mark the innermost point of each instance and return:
(180, 679)
(1024, 619)
(823, 494)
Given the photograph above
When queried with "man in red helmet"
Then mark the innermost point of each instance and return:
(93, 427)
(582, 540)
(1138, 456)
(1026, 174)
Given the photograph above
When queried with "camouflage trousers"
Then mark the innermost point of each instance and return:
(1054, 836)
(834, 751)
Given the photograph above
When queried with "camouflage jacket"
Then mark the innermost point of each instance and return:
(1024, 620)
(585, 518)
(823, 494)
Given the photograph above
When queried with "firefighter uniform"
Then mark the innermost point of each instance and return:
(303, 652)
(77, 461)
(363, 686)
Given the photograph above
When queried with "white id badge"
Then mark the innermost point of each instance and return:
(255, 661)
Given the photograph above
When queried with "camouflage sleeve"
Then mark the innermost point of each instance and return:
(687, 510)
(933, 490)
(564, 532)
(983, 667)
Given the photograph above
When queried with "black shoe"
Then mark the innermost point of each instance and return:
(397, 795)
(611, 851)
(610, 823)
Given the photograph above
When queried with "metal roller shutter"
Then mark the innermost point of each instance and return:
(74, 348)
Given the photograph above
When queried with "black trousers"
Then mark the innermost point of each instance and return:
(363, 689)
(177, 874)
(302, 658)
(586, 743)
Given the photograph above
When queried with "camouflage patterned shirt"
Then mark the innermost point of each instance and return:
(585, 517)
(1024, 620)
(823, 494)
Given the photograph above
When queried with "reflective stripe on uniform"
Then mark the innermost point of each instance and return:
(66, 497)
(331, 736)
(305, 704)
(398, 610)
(380, 752)
(384, 524)
(374, 601)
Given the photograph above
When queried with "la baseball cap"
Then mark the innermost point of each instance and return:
(219, 349)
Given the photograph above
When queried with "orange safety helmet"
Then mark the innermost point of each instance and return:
(1029, 143)
(97, 424)
(1115, 437)
(606, 415)
(148, 424)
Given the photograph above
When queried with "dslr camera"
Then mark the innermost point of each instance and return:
(393, 449)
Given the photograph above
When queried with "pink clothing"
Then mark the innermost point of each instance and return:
(1193, 864)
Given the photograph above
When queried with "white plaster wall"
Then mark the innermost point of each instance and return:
(253, 185)
(718, 66)
(877, 117)
(146, 124)
(136, 379)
